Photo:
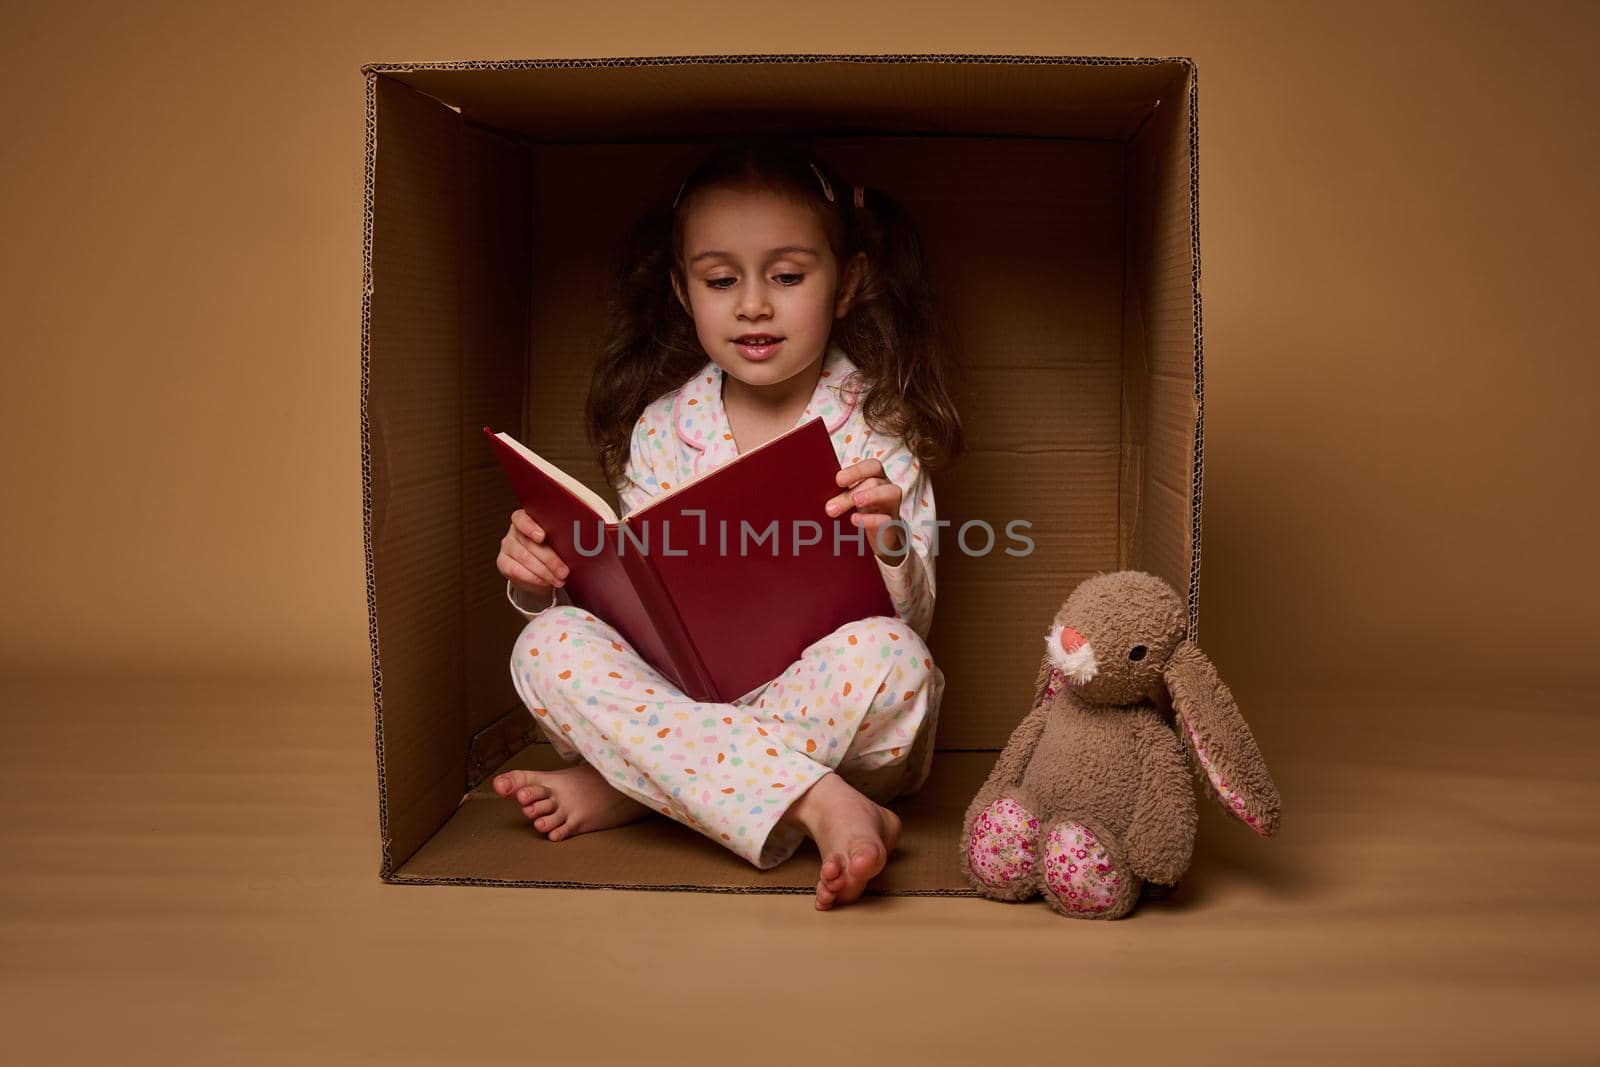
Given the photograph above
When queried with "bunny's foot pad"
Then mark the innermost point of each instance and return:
(1004, 845)
(1080, 874)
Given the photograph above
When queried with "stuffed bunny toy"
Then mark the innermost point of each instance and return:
(1091, 796)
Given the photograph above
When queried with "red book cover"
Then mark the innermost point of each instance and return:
(721, 583)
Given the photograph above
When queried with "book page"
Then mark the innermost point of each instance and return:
(567, 481)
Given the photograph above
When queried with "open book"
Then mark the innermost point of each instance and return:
(721, 582)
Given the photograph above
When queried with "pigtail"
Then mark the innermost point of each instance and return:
(895, 334)
(650, 346)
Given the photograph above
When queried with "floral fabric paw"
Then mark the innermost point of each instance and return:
(1004, 844)
(1078, 870)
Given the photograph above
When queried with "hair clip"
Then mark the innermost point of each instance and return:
(860, 195)
(827, 190)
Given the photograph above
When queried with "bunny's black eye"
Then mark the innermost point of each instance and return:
(1137, 652)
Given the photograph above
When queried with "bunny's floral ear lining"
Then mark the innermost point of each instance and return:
(1220, 745)
(1041, 682)
(1264, 823)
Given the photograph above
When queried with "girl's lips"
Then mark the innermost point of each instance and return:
(758, 352)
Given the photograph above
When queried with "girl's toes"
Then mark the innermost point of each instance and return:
(539, 807)
(825, 897)
(566, 829)
(520, 786)
(549, 822)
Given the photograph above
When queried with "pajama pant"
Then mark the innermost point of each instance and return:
(862, 701)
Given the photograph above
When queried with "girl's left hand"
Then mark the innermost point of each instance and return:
(876, 501)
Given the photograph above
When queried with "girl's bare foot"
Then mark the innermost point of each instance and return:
(574, 800)
(854, 836)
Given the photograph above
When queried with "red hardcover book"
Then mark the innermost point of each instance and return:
(719, 583)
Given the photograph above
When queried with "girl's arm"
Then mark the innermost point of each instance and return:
(641, 478)
(523, 549)
(519, 600)
(650, 458)
(910, 579)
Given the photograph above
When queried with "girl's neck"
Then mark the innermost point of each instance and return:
(757, 414)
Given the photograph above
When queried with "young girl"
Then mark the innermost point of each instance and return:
(811, 298)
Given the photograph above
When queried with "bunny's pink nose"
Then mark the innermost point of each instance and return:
(1072, 640)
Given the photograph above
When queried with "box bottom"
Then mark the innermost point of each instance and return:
(489, 842)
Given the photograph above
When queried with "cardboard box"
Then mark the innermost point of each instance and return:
(1058, 200)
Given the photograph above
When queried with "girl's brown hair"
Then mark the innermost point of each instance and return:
(892, 331)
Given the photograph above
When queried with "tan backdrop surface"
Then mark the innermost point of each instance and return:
(1397, 225)
(1398, 236)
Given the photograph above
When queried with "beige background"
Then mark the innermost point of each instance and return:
(1397, 231)
(1398, 248)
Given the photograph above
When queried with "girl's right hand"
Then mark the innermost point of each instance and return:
(526, 561)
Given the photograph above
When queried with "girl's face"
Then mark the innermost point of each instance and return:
(759, 266)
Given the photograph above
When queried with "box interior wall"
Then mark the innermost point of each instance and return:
(1056, 199)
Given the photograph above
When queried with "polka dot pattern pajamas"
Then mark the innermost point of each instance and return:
(862, 701)
(854, 702)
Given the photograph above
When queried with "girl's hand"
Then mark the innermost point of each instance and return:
(529, 563)
(876, 501)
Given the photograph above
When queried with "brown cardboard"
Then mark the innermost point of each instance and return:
(1058, 200)
(488, 840)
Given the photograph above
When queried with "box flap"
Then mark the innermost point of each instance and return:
(689, 97)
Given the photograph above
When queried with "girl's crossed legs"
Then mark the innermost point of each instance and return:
(857, 702)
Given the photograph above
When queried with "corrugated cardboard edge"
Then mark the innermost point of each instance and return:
(373, 70)
(369, 171)
(1199, 352)
(683, 887)
(370, 69)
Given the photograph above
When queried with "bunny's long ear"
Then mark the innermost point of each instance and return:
(1041, 679)
(1219, 743)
